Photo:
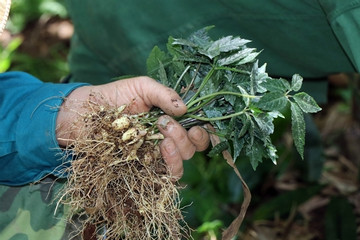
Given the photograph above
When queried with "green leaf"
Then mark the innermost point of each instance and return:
(253, 78)
(162, 74)
(217, 149)
(230, 98)
(225, 44)
(265, 123)
(296, 82)
(276, 85)
(238, 146)
(260, 75)
(249, 58)
(255, 152)
(201, 37)
(272, 101)
(243, 91)
(153, 62)
(271, 152)
(236, 57)
(247, 123)
(184, 42)
(298, 128)
(239, 133)
(177, 48)
(173, 49)
(306, 102)
(213, 112)
(250, 136)
(214, 84)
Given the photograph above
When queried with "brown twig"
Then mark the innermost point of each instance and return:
(233, 229)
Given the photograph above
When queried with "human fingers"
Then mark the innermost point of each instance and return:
(155, 94)
(172, 129)
(199, 137)
(172, 157)
(141, 94)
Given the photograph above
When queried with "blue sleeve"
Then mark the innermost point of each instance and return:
(28, 111)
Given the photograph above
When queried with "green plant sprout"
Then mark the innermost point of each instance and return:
(222, 83)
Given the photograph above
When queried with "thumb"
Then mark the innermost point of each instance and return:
(156, 94)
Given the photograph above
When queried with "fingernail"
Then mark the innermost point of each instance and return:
(164, 122)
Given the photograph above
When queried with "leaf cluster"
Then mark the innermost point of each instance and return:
(222, 83)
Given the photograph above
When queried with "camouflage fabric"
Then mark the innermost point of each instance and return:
(28, 212)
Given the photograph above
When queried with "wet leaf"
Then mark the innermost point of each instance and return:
(306, 102)
(265, 124)
(217, 149)
(162, 74)
(298, 128)
(296, 82)
(225, 44)
(154, 60)
(255, 153)
(237, 57)
(276, 85)
(249, 58)
(272, 101)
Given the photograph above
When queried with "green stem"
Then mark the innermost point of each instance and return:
(205, 119)
(181, 77)
(194, 109)
(233, 70)
(206, 79)
(191, 103)
(191, 83)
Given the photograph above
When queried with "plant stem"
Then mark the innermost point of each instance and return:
(205, 119)
(191, 83)
(233, 70)
(201, 105)
(206, 79)
(181, 77)
(191, 103)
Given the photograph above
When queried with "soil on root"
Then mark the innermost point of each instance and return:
(118, 181)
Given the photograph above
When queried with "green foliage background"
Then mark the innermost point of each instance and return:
(25, 15)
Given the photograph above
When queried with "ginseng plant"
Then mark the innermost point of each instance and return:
(118, 179)
(222, 83)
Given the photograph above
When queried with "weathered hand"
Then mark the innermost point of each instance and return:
(140, 94)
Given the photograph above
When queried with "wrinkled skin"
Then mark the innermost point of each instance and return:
(140, 94)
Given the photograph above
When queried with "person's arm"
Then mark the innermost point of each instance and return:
(35, 120)
(28, 111)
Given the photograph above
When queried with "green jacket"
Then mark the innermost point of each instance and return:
(309, 37)
(314, 38)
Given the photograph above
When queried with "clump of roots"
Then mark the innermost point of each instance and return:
(118, 182)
